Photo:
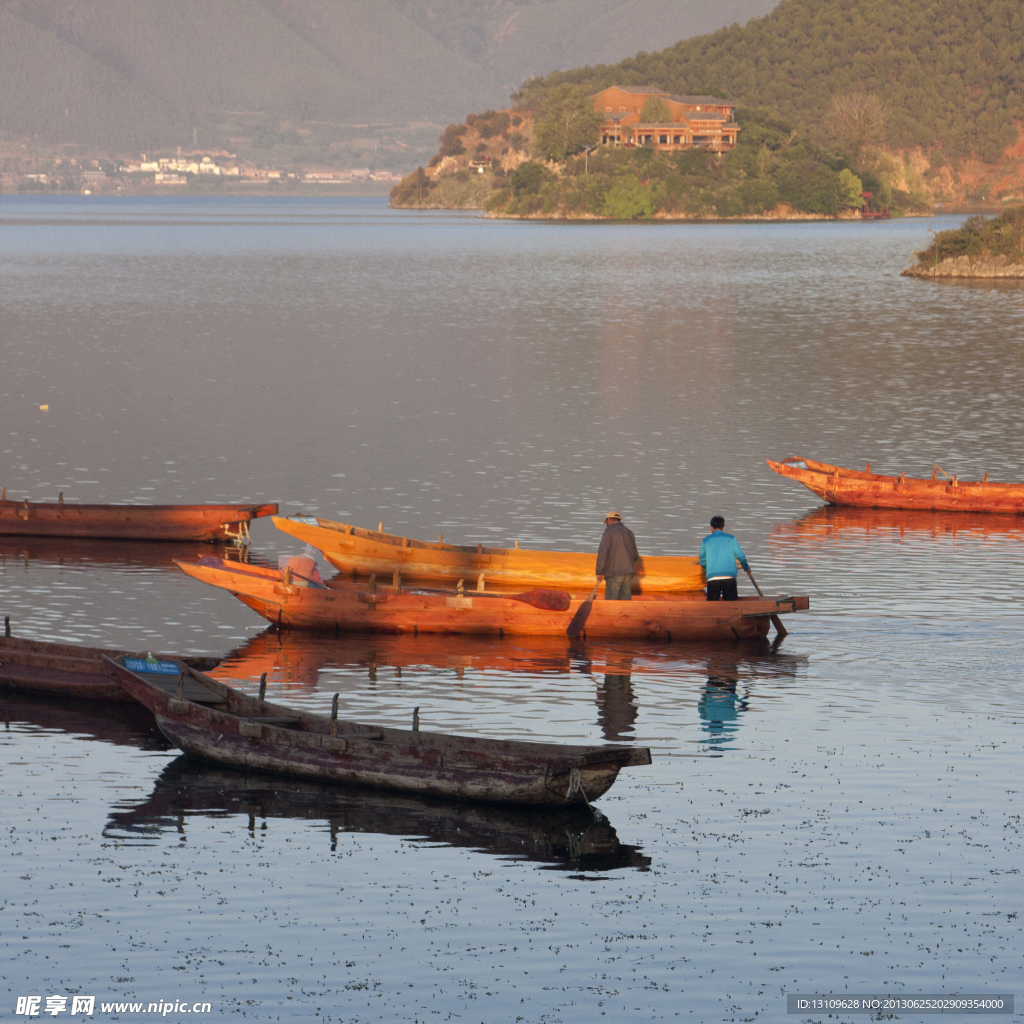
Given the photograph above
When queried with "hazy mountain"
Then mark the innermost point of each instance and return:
(140, 74)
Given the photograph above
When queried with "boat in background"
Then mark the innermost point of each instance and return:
(343, 606)
(570, 838)
(68, 670)
(205, 523)
(364, 552)
(864, 489)
(216, 723)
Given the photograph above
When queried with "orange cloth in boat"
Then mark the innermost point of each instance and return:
(303, 566)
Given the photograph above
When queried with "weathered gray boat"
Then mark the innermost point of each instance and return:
(213, 722)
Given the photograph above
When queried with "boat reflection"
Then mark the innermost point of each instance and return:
(293, 660)
(831, 522)
(114, 554)
(572, 839)
(125, 725)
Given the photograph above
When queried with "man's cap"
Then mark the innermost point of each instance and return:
(614, 515)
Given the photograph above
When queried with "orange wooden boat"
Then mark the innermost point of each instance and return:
(839, 486)
(364, 552)
(344, 606)
(129, 522)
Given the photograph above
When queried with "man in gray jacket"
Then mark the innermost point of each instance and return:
(615, 558)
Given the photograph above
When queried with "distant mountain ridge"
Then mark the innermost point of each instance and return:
(133, 75)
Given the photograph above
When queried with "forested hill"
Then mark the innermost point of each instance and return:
(943, 75)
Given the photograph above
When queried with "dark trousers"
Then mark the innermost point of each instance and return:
(723, 590)
(618, 588)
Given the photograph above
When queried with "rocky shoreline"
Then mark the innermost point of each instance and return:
(969, 267)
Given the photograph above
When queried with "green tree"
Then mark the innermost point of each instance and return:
(627, 199)
(566, 122)
(528, 178)
(655, 111)
(850, 187)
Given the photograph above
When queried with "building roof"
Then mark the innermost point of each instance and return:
(648, 90)
(711, 101)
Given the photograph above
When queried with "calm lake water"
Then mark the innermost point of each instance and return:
(840, 813)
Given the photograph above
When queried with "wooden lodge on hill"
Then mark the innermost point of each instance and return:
(697, 122)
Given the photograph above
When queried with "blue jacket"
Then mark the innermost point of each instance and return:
(718, 555)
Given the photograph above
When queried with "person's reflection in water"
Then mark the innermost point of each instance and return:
(720, 707)
(616, 707)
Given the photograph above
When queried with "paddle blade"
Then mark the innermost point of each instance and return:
(579, 620)
(546, 600)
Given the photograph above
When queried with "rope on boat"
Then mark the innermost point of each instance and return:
(576, 786)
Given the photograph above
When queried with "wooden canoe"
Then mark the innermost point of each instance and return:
(342, 606)
(67, 670)
(214, 722)
(129, 522)
(864, 489)
(570, 838)
(364, 552)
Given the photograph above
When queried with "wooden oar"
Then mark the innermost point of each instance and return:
(579, 620)
(545, 600)
(312, 583)
(780, 629)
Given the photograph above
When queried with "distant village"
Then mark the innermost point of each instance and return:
(104, 175)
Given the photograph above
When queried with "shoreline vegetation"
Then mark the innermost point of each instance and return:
(979, 248)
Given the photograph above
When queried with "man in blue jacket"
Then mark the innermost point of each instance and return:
(719, 554)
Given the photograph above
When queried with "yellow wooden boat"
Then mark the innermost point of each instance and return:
(364, 552)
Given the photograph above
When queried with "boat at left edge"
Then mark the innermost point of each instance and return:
(205, 523)
(213, 722)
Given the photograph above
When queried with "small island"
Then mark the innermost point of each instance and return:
(980, 248)
(640, 153)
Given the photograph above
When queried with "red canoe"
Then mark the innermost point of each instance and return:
(129, 522)
(342, 606)
(864, 489)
